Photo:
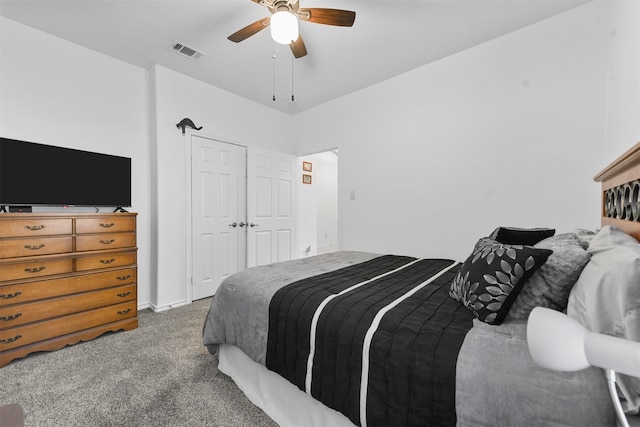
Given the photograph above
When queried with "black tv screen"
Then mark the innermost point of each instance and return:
(37, 174)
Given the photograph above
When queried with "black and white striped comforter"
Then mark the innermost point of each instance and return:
(411, 348)
(377, 341)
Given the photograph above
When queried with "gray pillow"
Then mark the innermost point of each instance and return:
(551, 284)
(584, 237)
(606, 298)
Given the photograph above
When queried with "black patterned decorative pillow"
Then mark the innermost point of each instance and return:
(491, 278)
(521, 236)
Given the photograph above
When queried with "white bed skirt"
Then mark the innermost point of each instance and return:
(278, 398)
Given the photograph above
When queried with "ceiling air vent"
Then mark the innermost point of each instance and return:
(187, 51)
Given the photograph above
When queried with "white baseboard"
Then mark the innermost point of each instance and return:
(166, 307)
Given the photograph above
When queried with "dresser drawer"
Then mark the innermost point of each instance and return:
(20, 314)
(22, 335)
(96, 242)
(105, 225)
(35, 269)
(35, 290)
(114, 259)
(35, 227)
(11, 248)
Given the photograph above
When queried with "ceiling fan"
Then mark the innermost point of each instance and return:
(338, 17)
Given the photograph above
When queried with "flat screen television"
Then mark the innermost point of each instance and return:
(34, 174)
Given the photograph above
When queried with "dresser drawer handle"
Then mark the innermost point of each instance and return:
(124, 311)
(13, 295)
(10, 340)
(124, 294)
(34, 248)
(34, 227)
(107, 261)
(128, 276)
(106, 225)
(107, 242)
(7, 318)
(34, 270)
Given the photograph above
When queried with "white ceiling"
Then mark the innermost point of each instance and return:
(388, 38)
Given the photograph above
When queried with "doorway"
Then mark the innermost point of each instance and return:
(319, 223)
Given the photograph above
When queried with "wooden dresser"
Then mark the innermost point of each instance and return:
(65, 278)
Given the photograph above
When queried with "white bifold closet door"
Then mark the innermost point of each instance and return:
(243, 210)
(218, 210)
(271, 207)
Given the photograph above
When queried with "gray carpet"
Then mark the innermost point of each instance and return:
(157, 375)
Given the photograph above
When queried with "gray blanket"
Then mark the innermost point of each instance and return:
(240, 309)
(497, 382)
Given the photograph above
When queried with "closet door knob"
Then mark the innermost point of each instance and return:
(233, 224)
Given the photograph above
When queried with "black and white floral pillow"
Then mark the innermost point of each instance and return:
(489, 281)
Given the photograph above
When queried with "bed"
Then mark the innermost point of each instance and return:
(356, 338)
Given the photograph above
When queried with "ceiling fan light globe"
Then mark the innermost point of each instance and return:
(284, 27)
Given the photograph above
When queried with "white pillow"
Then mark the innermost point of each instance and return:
(606, 297)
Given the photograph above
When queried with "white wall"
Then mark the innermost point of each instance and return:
(507, 133)
(222, 115)
(58, 93)
(623, 95)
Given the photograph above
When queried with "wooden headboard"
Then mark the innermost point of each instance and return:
(621, 192)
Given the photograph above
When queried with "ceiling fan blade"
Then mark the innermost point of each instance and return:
(249, 30)
(298, 48)
(319, 15)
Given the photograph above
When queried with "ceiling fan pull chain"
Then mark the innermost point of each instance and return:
(273, 57)
(292, 97)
